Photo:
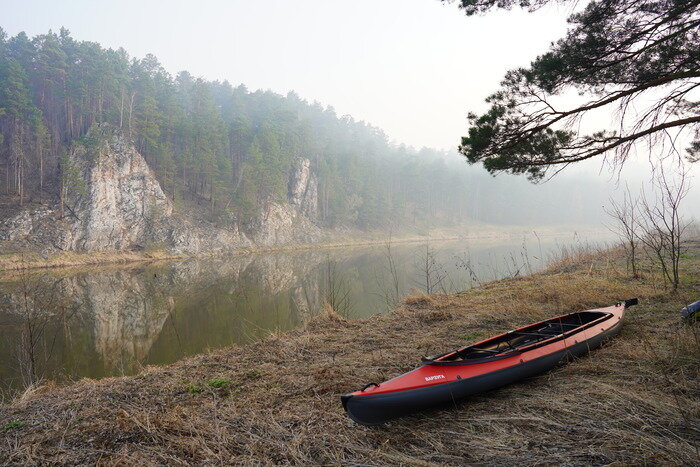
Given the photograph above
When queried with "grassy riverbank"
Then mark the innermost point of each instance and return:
(637, 400)
(17, 259)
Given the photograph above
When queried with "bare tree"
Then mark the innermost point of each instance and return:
(661, 226)
(433, 275)
(37, 305)
(337, 291)
(464, 262)
(391, 293)
(624, 215)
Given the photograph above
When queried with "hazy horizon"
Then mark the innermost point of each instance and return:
(408, 67)
(413, 68)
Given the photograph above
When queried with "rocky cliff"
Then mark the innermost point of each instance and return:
(116, 197)
(303, 189)
(114, 202)
(290, 222)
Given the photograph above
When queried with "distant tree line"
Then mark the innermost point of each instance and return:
(217, 145)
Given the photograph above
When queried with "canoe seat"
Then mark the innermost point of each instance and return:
(535, 334)
(485, 350)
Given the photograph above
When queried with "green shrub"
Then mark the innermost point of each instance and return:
(219, 383)
(12, 425)
(473, 335)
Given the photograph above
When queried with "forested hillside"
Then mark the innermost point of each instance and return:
(228, 149)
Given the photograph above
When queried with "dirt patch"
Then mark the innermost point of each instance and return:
(636, 400)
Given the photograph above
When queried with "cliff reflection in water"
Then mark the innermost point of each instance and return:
(115, 320)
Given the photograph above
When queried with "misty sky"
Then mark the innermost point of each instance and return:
(411, 67)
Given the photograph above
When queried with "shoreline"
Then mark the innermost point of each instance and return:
(277, 400)
(32, 260)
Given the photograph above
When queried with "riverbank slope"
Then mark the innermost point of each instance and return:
(277, 401)
(22, 259)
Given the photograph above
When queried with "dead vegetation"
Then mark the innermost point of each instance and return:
(636, 400)
(18, 260)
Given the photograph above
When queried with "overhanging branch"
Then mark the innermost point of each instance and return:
(616, 143)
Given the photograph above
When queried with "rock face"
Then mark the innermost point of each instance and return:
(291, 222)
(24, 225)
(120, 199)
(183, 236)
(280, 224)
(114, 202)
(303, 189)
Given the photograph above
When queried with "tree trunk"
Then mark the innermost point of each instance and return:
(62, 197)
(131, 110)
(121, 111)
(41, 170)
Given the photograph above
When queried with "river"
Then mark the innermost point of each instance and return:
(115, 320)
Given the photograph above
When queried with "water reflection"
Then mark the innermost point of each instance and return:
(114, 320)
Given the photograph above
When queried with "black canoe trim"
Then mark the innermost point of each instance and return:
(509, 352)
(471, 361)
(374, 409)
(344, 399)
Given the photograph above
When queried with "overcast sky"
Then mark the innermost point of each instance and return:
(411, 67)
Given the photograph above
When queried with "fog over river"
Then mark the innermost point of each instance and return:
(114, 320)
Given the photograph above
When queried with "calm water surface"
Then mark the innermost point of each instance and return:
(115, 320)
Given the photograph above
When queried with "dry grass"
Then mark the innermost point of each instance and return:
(572, 257)
(14, 258)
(637, 400)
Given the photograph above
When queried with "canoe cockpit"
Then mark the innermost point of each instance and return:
(526, 337)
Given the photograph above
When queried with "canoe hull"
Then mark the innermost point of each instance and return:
(374, 409)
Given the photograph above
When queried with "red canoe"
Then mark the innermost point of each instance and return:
(486, 365)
